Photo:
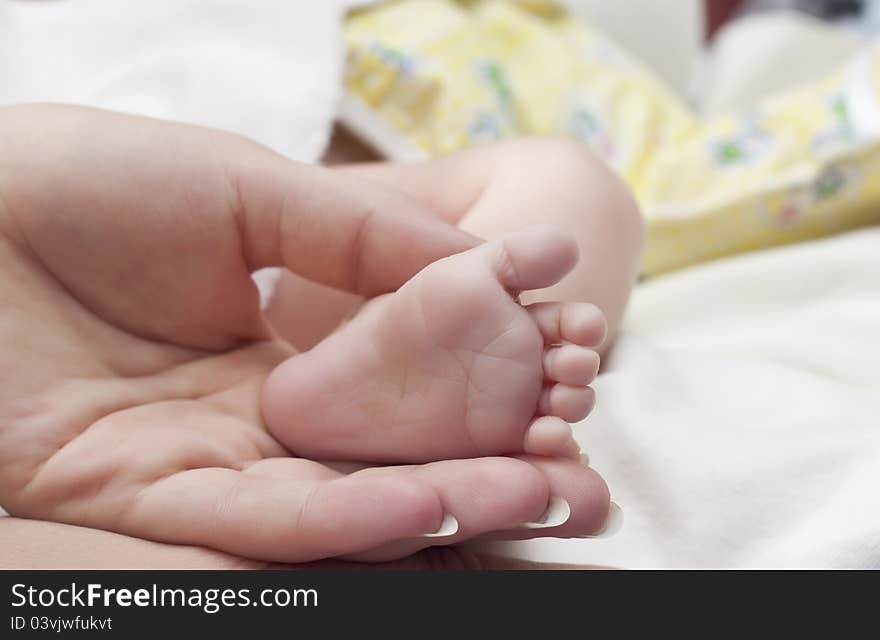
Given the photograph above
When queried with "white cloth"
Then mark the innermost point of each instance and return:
(764, 53)
(738, 424)
(268, 71)
(667, 36)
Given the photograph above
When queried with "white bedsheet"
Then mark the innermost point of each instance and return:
(738, 423)
(270, 72)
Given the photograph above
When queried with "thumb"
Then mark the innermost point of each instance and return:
(155, 226)
(335, 228)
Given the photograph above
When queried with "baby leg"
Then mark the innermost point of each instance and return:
(489, 191)
(495, 189)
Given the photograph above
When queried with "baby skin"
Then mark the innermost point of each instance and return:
(452, 365)
(449, 366)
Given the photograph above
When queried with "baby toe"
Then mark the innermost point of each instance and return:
(550, 436)
(571, 364)
(572, 404)
(532, 258)
(579, 323)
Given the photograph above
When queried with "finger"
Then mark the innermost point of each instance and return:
(592, 512)
(484, 494)
(219, 208)
(272, 515)
(574, 502)
(337, 229)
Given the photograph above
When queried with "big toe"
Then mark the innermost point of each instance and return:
(533, 258)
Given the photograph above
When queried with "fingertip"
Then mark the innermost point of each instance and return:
(586, 492)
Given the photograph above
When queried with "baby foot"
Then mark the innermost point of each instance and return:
(449, 366)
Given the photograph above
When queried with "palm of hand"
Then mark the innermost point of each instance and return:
(119, 430)
(133, 345)
(130, 399)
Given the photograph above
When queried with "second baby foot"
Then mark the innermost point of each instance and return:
(449, 366)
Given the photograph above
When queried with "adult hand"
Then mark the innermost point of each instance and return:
(133, 347)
